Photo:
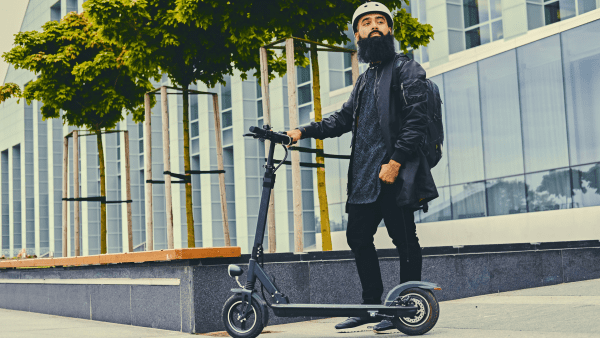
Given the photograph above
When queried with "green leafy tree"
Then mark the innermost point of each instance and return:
(255, 23)
(82, 75)
(154, 38)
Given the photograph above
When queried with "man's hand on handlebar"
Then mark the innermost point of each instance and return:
(295, 134)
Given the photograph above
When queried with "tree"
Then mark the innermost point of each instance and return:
(255, 23)
(153, 38)
(83, 76)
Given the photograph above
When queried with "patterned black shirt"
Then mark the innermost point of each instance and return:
(369, 147)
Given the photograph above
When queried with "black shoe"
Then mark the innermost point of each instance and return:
(383, 326)
(355, 321)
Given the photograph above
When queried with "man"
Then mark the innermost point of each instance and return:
(388, 176)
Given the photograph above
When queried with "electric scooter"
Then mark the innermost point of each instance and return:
(411, 306)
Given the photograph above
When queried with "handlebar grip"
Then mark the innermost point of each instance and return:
(271, 135)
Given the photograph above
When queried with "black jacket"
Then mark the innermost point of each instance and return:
(403, 121)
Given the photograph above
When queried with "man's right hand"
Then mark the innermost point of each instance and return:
(295, 134)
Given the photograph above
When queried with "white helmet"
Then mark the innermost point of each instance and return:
(371, 7)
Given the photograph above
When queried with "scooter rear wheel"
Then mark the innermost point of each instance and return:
(427, 313)
(234, 325)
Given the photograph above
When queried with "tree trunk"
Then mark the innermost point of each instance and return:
(321, 188)
(102, 193)
(189, 207)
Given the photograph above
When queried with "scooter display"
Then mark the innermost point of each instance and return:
(411, 306)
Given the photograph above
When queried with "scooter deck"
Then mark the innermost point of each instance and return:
(341, 310)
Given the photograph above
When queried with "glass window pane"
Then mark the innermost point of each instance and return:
(551, 13)
(258, 89)
(586, 5)
(485, 34)
(441, 170)
(226, 116)
(425, 54)
(549, 190)
(347, 59)
(495, 9)
(500, 115)
(335, 61)
(535, 18)
(473, 38)
(336, 80)
(567, 9)
(194, 129)
(348, 78)
(586, 185)
(259, 108)
(472, 12)
(454, 16)
(542, 105)
(456, 41)
(422, 11)
(303, 74)
(304, 114)
(506, 196)
(463, 122)
(439, 208)
(497, 31)
(193, 107)
(581, 61)
(226, 94)
(468, 200)
(304, 94)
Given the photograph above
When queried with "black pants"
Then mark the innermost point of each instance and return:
(363, 220)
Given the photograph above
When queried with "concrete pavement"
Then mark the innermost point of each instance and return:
(564, 310)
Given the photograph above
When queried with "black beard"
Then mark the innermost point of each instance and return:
(376, 48)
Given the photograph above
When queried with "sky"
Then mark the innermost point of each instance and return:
(11, 17)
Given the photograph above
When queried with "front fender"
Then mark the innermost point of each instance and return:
(263, 305)
(395, 292)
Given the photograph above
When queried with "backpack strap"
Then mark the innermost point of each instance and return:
(396, 72)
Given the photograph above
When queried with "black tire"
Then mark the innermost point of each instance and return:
(427, 314)
(250, 328)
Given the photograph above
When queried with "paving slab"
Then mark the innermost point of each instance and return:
(563, 310)
(21, 324)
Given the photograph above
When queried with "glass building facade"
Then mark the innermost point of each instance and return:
(522, 130)
(520, 123)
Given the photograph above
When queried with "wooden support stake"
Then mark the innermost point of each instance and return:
(167, 166)
(296, 180)
(128, 192)
(264, 77)
(65, 205)
(148, 173)
(76, 190)
(354, 59)
(217, 116)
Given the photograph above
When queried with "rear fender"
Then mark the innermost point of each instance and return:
(263, 305)
(395, 292)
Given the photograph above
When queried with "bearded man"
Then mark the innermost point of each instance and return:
(388, 176)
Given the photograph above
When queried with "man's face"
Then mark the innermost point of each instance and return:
(370, 25)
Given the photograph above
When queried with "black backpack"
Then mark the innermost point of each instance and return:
(434, 136)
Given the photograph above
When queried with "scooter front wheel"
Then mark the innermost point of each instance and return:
(238, 327)
(428, 311)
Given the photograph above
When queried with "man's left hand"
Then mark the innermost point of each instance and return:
(389, 172)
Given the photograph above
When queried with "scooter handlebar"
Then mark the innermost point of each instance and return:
(280, 138)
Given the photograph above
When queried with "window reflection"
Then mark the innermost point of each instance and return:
(542, 105)
(581, 61)
(586, 185)
(549, 190)
(500, 115)
(506, 196)
(463, 122)
(439, 208)
(468, 200)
